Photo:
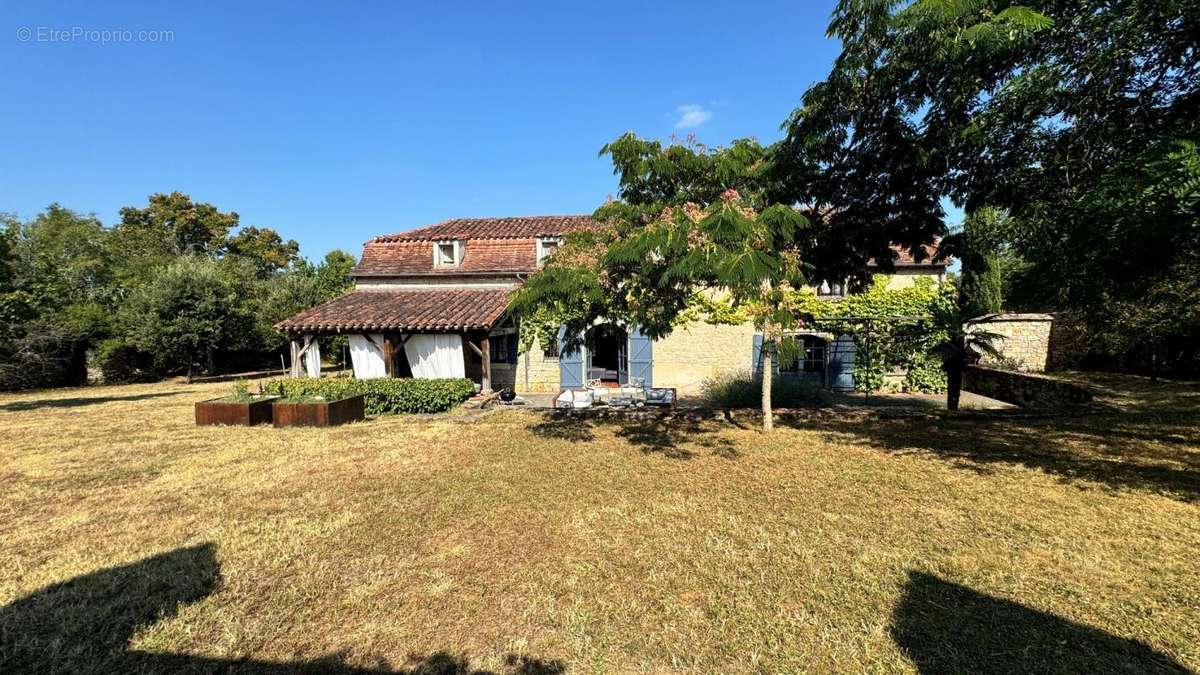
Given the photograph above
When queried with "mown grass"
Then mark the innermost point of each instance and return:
(521, 543)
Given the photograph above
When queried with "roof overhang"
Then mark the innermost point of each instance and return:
(406, 311)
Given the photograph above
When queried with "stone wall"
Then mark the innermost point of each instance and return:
(693, 353)
(1024, 343)
(683, 360)
(1024, 389)
(536, 372)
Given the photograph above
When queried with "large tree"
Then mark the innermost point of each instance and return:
(57, 301)
(187, 312)
(691, 220)
(172, 225)
(262, 248)
(1078, 117)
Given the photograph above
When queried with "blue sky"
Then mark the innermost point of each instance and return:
(334, 122)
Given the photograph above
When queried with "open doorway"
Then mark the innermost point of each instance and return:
(608, 355)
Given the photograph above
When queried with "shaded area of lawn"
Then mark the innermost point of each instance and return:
(85, 624)
(79, 401)
(1157, 452)
(948, 628)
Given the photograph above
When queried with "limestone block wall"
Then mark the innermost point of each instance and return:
(692, 353)
(1024, 342)
(906, 277)
(535, 372)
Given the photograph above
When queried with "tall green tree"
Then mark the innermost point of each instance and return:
(172, 225)
(1079, 118)
(262, 248)
(186, 313)
(691, 220)
(58, 302)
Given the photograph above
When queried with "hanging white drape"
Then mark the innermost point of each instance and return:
(433, 356)
(312, 359)
(367, 356)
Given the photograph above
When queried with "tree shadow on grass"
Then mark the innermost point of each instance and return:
(673, 435)
(1158, 452)
(84, 625)
(21, 406)
(948, 628)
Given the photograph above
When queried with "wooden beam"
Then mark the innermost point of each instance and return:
(389, 360)
(477, 350)
(485, 353)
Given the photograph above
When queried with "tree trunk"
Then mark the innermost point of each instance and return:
(954, 378)
(768, 351)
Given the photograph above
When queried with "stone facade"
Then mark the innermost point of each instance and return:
(1024, 343)
(1024, 389)
(683, 360)
(906, 277)
(693, 353)
(536, 372)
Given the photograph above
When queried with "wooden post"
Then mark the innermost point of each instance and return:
(295, 358)
(389, 359)
(486, 355)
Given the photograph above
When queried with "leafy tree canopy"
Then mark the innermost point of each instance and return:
(172, 225)
(690, 220)
(187, 312)
(1078, 118)
(264, 249)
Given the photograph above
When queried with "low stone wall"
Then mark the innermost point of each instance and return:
(1024, 342)
(1024, 389)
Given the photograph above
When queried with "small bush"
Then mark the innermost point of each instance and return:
(926, 375)
(742, 389)
(384, 396)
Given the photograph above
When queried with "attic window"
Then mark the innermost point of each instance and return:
(447, 253)
(547, 246)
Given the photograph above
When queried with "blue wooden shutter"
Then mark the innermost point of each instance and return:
(570, 364)
(641, 356)
(756, 356)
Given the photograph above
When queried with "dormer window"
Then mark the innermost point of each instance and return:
(547, 246)
(447, 253)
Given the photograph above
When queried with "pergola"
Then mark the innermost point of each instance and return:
(398, 315)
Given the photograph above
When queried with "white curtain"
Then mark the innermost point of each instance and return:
(366, 353)
(433, 356)
(312, 359)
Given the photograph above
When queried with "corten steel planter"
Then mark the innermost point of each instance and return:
(319, 413)
(234, 413)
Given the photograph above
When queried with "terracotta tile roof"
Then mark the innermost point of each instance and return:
(517, 227)
(480, 256)
(904, 257)
(495, 246)
(402, 310)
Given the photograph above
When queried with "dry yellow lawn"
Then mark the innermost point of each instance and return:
(513, 542)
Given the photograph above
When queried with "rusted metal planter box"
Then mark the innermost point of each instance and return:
(319, 413)
(234, 413)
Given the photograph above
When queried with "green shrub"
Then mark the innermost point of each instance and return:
(240, 393)
(925, 374)
(742, 389)
(384, 396)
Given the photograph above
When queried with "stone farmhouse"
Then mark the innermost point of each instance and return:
(432, 302)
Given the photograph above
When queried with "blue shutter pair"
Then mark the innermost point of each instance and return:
(641, 360)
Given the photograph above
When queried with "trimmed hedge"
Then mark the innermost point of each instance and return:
(384, 396)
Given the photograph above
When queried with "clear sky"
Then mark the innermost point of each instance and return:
(336, 121)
